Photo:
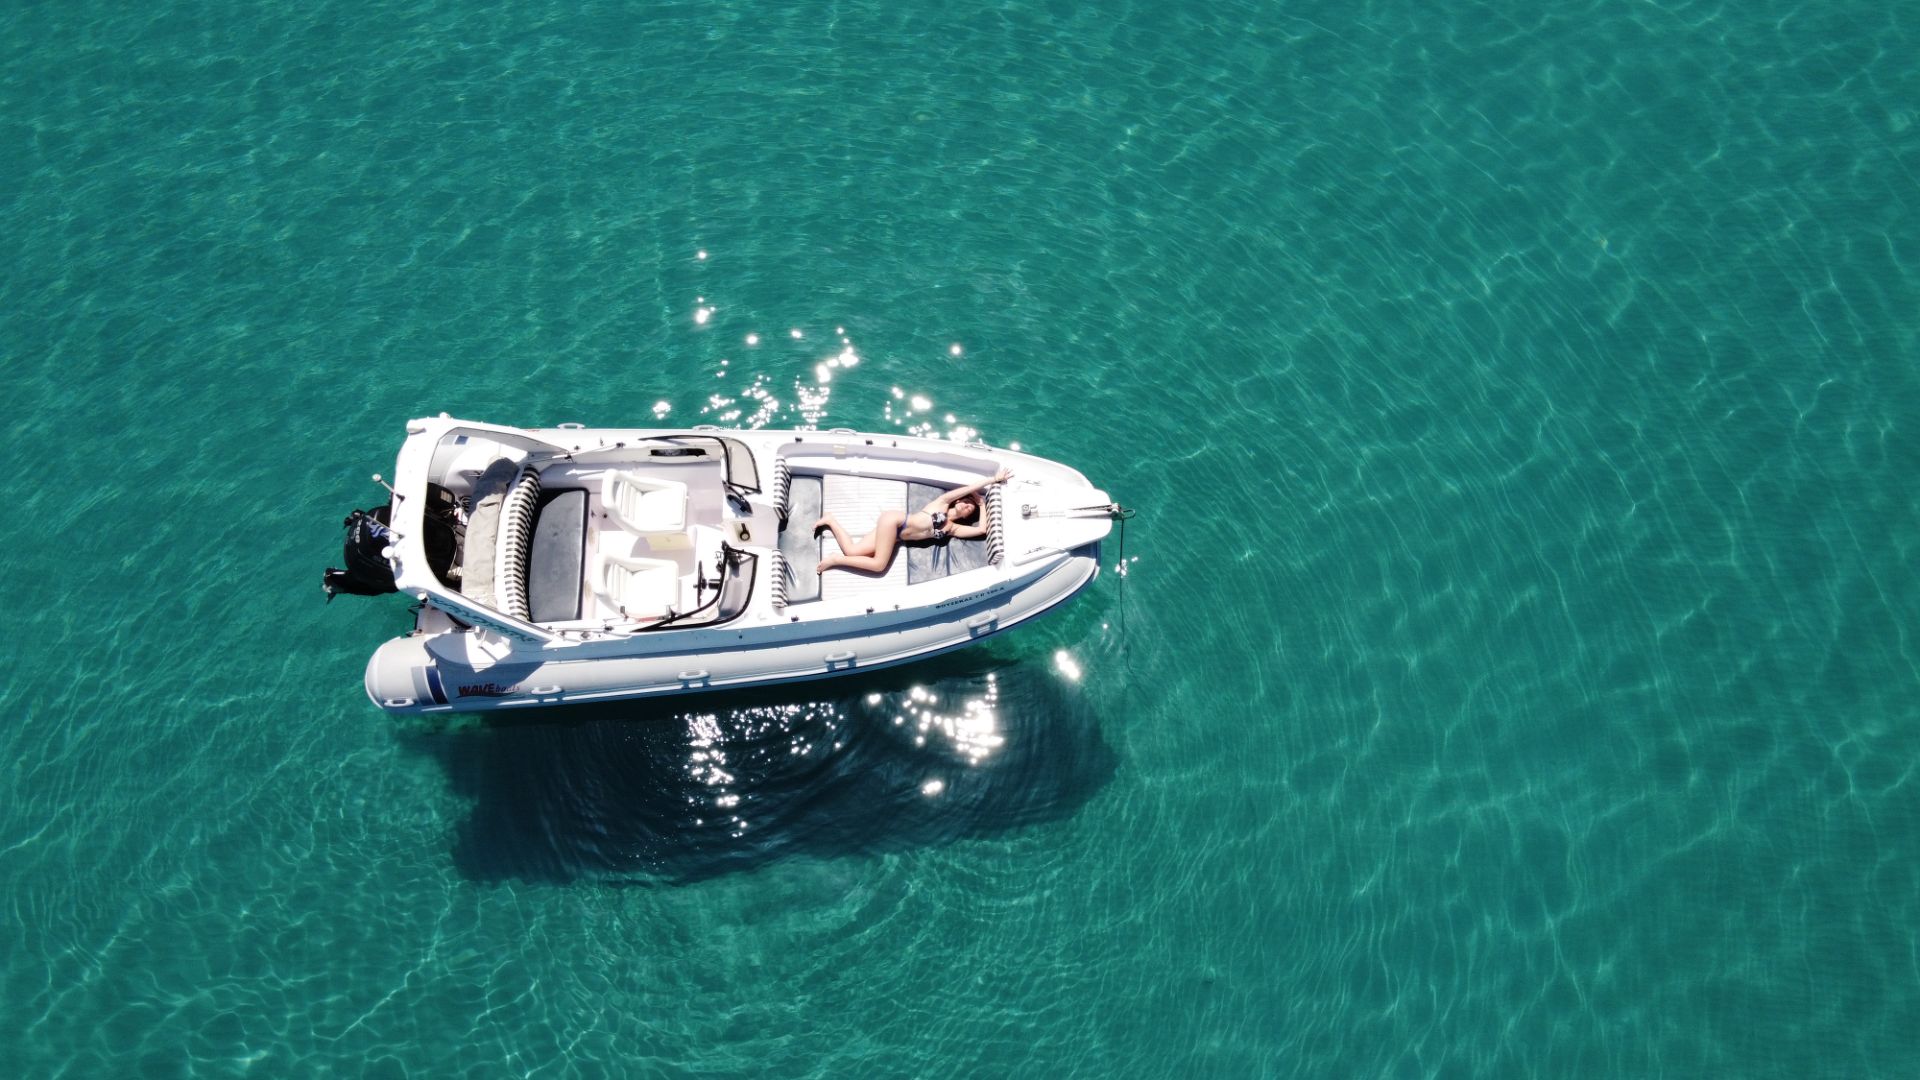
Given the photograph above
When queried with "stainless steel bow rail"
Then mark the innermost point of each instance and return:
(1112, 510)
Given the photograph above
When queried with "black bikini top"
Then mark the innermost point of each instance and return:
(939, 526)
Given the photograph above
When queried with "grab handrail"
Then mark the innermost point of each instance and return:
(516, 541)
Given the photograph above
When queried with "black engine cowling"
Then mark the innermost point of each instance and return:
(368, 573)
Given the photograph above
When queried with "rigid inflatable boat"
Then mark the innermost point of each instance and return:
(573, 564)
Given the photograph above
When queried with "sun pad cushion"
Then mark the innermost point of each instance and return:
(927, 562)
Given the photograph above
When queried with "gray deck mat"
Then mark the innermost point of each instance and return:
(858, 503)
(799, 548)
(556, 565)
(930, 562)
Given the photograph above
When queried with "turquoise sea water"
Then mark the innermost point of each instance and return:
(1518, 671)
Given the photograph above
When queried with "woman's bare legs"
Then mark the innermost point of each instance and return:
(847, 543)
(872, 552)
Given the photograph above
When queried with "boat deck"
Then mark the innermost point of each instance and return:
(858, 501)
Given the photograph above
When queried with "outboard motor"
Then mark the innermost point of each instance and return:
(368, 573)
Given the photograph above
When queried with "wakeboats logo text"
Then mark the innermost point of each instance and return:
(488, 689)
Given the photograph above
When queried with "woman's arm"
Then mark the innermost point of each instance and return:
(944, 501)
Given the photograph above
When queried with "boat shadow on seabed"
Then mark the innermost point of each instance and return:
(683, 789)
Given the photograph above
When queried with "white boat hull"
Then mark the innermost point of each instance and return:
(405, 675)
(780, 620)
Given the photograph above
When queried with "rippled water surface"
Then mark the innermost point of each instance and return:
(1517, 673)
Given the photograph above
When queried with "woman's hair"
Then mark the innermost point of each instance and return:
(968, 500)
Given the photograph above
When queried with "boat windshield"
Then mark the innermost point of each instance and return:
(738, 472)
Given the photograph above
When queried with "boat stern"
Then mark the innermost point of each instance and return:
(401, 677)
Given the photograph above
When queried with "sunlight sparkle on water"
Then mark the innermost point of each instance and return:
(727, 410)
(973, 731)
(1067, 666)
(813, 401)
(755, 407)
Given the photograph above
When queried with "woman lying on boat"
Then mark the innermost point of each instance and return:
(959, 513)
